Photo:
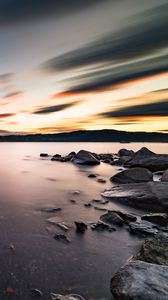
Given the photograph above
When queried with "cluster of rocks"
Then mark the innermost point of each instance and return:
(145, 276)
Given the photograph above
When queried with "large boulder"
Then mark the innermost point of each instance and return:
(165, 176)
(150, 196)
(112, 218)
(153, 162)
(156, 218)
(154, 250)
(139, 280)
(86, 158)
(133, 175)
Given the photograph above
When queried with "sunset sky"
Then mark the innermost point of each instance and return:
(83, 64)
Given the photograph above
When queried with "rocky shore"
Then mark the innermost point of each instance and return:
(141, 183)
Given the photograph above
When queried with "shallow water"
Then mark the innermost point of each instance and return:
(29, 183)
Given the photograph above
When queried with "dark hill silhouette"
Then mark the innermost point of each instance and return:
(105, 135)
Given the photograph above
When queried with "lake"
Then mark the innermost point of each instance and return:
(29, 183)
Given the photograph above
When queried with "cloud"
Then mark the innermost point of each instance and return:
(111, 78)
(54, 108)
(141, 38)
(6, 115)
(13, 94)
(6, 78)
(21, 10)
(150, 109)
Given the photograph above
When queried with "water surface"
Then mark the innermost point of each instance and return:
(29, 183)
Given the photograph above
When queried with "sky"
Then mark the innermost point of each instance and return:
(83, 65)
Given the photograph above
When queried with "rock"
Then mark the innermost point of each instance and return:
(101, 226)
(151, 196)
(36, 292)
(106, 156)
(147, 159)
(76, 192)
(61, 238)
(86, 158)
(154, 250)
(51, 209)
(100, 201)
(56, 221)
(165, 176)
(80, 226)
(101, 180)
(72, 201)
(157, 218)
(87, 204)
(100, 208)
(92, 175)
(57, 157)
(112, 218)
(143, 228)
(44, 155)
(126, 217)
(125, 152)
(139, 280)
(66, 297)
(133, 175)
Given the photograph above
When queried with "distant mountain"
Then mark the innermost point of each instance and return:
(105, 135)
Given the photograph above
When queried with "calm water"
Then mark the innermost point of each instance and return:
(27, 184)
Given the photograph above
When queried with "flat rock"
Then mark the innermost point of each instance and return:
(154, 250)
(139, 280)
(86, 158)
(151, 196)
(112, 218)
(62, 238)
(156, 218)
(56, 221)
(101, 226)
(133, 175)
(51, 209)
(143, 228)
(126, 217)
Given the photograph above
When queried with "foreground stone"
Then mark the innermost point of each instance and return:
(157, 162)
(157, 218)
(151, 196)
(126, 217)
(86, 158)
(154, 250)
(143, 228)
(139, 280)
(80, 226)
(133, 175)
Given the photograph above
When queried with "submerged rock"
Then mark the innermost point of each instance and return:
(151, 196)
(80, 226)
(139, 280)
(36, 292)
(61, 238)
(112, 218)
(101, 226)
(50, 209)
(56, 221)
(157, 218)
(133, 175)
(143, 228)
(101, 180)
(154, 250)
(86, 158)
(92, 175)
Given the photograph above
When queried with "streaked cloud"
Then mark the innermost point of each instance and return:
(54, 108)
(150, 109)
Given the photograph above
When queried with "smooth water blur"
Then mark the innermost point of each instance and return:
(29, 183)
